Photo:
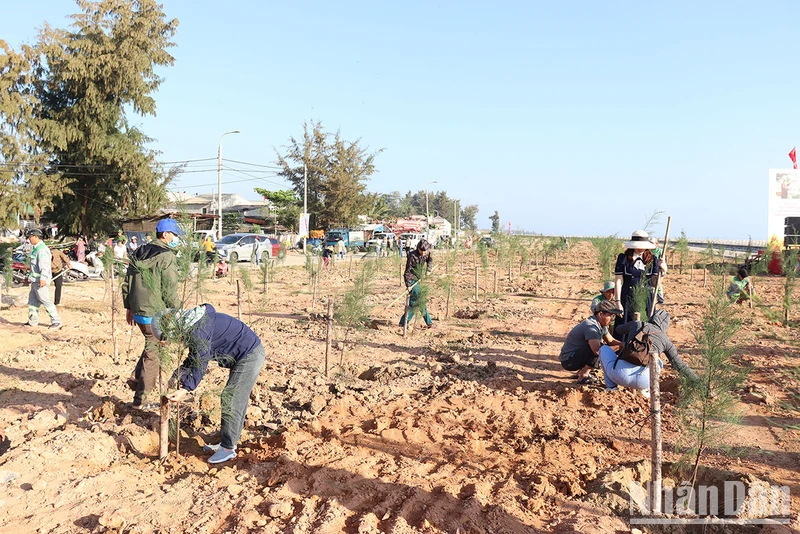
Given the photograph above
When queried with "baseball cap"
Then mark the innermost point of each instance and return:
(608, 306)
(169, 225)
(607, 286)
(36, 232)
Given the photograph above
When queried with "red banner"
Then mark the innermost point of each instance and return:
(793, 157)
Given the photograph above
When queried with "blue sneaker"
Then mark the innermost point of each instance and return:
(222, 455)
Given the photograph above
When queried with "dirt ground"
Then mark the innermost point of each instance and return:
(469, 427)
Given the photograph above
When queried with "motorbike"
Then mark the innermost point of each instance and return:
(80, 271)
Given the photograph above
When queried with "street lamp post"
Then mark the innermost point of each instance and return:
(219, 182)
(427, 213)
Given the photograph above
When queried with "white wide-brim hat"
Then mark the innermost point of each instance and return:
(640, 240)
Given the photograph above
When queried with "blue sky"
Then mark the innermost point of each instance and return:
(566, 117)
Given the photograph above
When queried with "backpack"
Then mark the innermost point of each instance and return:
(637, 350)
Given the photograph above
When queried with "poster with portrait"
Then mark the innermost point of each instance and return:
(784, 200)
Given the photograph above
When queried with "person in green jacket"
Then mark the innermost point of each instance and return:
(150, 286)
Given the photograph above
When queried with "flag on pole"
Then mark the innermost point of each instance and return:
(793, 157)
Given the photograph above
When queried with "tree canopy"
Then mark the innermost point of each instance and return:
(77, 86)
(337, 174)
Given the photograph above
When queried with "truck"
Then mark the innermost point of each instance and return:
(353, 239)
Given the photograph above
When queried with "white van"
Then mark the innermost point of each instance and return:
(409, 240)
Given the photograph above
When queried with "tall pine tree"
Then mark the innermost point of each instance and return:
(89, 77)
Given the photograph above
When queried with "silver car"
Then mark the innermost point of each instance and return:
(239, 247)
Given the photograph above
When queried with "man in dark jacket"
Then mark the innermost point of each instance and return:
(414, 270)
(213, 336)
(150, 286)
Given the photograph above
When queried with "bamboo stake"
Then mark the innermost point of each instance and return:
(328, 336)
(402, 282)
(163, 434)
(447, 306)
(350, 267)
(238, 300)
(704, 276)
(495, 281)
(114, 317)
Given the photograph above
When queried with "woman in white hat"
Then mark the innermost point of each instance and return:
(632, 265)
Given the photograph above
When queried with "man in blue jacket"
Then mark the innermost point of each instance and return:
(213, 336)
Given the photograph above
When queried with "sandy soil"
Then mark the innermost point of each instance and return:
(472, 426)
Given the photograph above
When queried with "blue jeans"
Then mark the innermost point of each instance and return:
(625, 374)
(236, 395)
(412, 301)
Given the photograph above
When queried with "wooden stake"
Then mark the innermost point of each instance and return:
(238, 300)
(177, 428)
(350, 268)
(402, 282)
(476, 283)
(114, 317)
(447, 306)
(328, 336)
(130, 343)
(495, 281)
(163, 443)
(655, 411)
(405, 315)
(510, 276)
(704, 276)
(314, 292)
(266, 277)
(691, 275)
(521, 266)
(655, 404)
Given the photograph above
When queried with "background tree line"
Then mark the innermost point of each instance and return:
(337, 173)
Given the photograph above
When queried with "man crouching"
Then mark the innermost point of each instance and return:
(582, 346)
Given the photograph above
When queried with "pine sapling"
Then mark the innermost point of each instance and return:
(708, 406)
(354, 311)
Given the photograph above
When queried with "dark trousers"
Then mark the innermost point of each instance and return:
(146, 371)
(58, 281)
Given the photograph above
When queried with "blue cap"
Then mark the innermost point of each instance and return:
(169, 225)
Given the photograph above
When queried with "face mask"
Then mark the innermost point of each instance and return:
(173, 243)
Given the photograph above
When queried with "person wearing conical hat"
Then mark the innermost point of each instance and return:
(633, 266)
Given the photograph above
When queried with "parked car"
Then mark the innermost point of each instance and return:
(237, 247)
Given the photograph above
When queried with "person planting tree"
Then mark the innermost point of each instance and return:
(647, 340)
(213, 336)
(582, 345)
(414, 271)
(151, 285)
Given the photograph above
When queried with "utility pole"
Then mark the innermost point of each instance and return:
(306, 218)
